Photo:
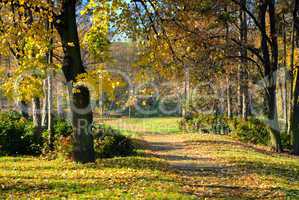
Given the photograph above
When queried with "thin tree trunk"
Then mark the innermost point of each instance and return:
(60, 111)
(50, 91)
(243, 70)
(187, 90)
(285, 76)
(36, 113)
(45, 105)
(50, 108)
(82, 118)
(239, 94)
(228, 98)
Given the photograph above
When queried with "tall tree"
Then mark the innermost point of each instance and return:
(82, 117)
(295, 71)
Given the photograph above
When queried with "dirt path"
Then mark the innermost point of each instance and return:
(180, 153)
(216, 167)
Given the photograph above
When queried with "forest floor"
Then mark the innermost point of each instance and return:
(170, 165)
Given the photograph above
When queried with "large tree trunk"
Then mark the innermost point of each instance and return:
(295, 101)
(270, 63)
(83, 149)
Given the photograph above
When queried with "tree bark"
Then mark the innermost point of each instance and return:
(228, 98)
(295, 101)
(36, 113)
(51, 138)
(83, 149)
(270, 67)
(60, 111)
(23, 106)
(285, 76)
(50, 108)
(45, 105)
(243, 71)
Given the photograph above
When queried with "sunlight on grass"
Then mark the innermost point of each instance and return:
(129, 178)
(260, 171)
(140, 126)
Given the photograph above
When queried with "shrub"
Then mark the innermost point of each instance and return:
(110, 143)
(286, 141)
(204, 123)
(64, 146)
(62, 128)
(253, 131)
(17, 135)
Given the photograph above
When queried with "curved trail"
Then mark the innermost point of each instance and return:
(179, 152)
(205, 170)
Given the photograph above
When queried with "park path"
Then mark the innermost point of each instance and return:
(179, 152)
(203, 172)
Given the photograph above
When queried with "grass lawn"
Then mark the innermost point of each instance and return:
(171, 166)
(118, 178)
(140, 126)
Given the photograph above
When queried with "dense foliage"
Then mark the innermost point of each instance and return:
(110, 143)
(253, 130)
(18, 135)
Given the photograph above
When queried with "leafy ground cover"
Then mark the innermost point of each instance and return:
(118, 178)
(170, 166)
(218, 167)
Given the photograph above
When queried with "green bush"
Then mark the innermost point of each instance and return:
(62, 128)
(253, 131)
(206, 123)
(110, 143)
(286, 141)
(17, 135)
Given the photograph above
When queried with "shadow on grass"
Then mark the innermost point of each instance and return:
(136, 162)
(262, 150)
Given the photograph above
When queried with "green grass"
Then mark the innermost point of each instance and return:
(225, 169)
(118, 178)
(141, 126)
(255, 170)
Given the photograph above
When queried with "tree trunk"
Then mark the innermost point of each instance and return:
(285, 76)
(228, 98)
(23, 106)
(60, 111)
(50, 108)
(45, 105)
(243, 71)
(36, 113)
(50, 91)
(83, 149)
(186, 107)
(270, 63)
(295, 101)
